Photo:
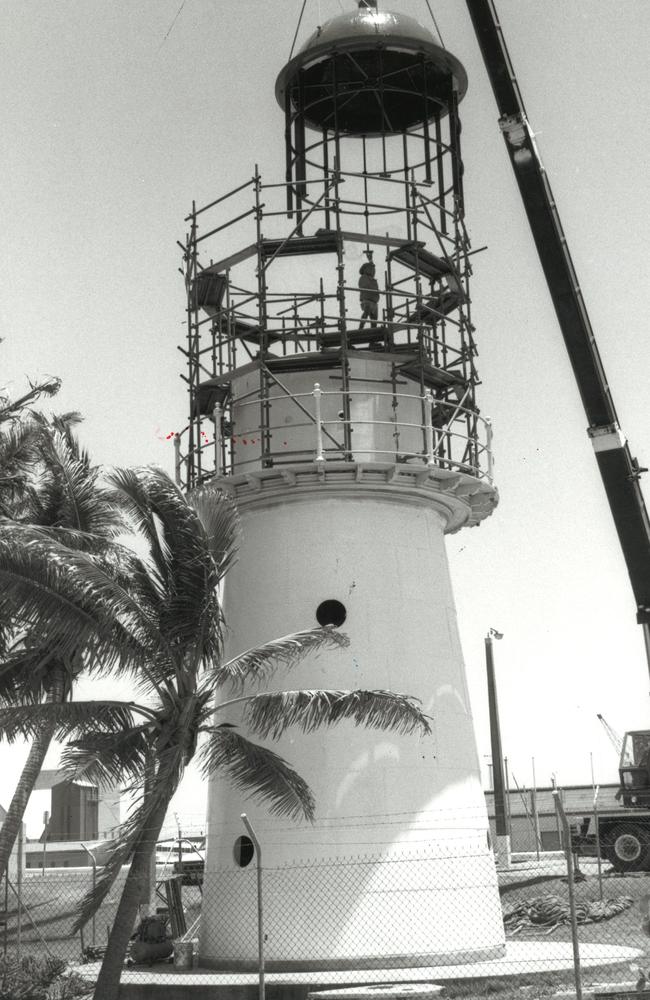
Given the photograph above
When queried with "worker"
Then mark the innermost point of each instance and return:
(368, 294)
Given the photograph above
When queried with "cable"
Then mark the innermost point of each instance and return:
(436, 24)
(172, 25)
(293, 44)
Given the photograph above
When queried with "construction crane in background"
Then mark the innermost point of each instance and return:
(620, 472)
(614, 738)
(623, 834)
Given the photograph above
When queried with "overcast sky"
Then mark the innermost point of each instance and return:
(113, 124)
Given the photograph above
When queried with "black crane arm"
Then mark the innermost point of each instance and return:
(620, 472)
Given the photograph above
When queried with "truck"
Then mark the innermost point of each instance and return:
(622, 834)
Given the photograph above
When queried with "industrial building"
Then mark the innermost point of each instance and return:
(531, 817)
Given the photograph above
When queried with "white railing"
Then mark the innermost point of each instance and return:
(452, 436)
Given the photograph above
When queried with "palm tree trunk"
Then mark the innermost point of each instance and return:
(30, 773)
(108, 981)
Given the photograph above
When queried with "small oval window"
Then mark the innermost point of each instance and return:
(244, 851)
(331, 613)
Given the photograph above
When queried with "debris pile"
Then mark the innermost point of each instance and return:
(552, 911)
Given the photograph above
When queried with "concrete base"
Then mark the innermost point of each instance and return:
(521, 958)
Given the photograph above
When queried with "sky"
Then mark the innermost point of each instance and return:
(118, 114)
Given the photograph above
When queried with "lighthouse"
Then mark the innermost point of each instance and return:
(331, 373)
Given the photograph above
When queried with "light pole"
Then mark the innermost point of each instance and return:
(498, 777)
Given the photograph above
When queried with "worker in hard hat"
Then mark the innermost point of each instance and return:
(368, 294)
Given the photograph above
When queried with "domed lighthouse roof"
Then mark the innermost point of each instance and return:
(356, 58)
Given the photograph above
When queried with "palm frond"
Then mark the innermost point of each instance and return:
(169, 770)
(10, 408)
(83, 504)
(219, 517)
(70, 718)
(109, 758)
(257, 771)
(70, 601)
(25, 670)
(19, 457)
(189, 618)
(130, 491)
(269, 715)
(258, 665)
(126, 567)
(19, 444)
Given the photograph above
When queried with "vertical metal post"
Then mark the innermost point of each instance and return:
(217, 439)
(425, 121)
(93, 861)
(194, 456)
(46, 820)
(428, 426)
(507, 797)
(177, 459)
(180, 845)
(441, 175)
(498, 778)
(288, 175)
(19, 888)
(260, 907)
(564, 823)
(538, 838)
(558, 825)
(6, 908)
(317, 393)
(488, 444)
(596, 790)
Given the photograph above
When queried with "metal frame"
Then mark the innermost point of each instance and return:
(339, 190)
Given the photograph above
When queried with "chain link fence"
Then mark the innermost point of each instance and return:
(373, 919)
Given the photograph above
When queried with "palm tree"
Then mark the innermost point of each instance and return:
(52, 486)
(166, 626)
(19, 436)
(13, 409)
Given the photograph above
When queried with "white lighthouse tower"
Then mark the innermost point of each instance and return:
(332, 376)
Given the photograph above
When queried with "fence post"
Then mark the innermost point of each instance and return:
(428, 425)
(597, 825)
(93, 861)
(320, 457)
(6, 906)
(561, 815)
(506, 775)
(538, 836)
(260, 907)
(19, 884)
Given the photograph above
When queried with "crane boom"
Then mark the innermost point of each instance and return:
(619, 471)
(614, 738)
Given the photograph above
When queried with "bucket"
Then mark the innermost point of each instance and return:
(183, 954)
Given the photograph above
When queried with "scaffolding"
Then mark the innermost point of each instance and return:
(277, 332)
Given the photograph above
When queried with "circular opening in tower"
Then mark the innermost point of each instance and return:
(331, 613)
(244, 851)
